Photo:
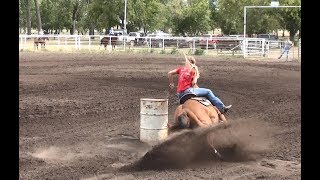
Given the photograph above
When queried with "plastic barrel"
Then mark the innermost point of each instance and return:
(153, 120)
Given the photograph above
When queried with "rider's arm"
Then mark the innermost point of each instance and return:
(194, 81)
(170, 77)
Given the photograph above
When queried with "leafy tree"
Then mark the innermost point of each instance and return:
(228, 15)
(39, 25)
(174, 15)
(290, 18)
(194, 18)
(105, 14)
(180, 17)
(27, 15)
(146, 14)
(47, 15)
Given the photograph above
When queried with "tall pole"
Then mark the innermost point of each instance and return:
(125, 16)
(244, 30)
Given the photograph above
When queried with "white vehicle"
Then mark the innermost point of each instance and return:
(132, 38)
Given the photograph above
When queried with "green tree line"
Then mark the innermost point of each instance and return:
(179, 17)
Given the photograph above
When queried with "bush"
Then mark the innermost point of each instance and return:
(199, 51)
(162, 51)
(174, 51)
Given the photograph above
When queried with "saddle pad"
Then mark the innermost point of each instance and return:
(202, 100)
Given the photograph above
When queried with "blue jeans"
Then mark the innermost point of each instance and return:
(204, 92)
(285, 50)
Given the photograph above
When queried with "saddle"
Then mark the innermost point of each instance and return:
(192, 96)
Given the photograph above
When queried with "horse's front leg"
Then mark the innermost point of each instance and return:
(223, 119)
(210, 141)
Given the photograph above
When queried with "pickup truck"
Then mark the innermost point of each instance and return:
(135, 38)
(271, 40)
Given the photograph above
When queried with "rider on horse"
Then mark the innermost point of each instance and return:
(187, 84)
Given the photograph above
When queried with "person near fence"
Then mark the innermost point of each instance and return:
(287, 46)
(187, 83)
(111, 32)
(41, 32)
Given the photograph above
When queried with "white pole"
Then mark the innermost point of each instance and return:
(89, 41)
(244, 31)
(125, 16)
(25, 42)
(207, 46)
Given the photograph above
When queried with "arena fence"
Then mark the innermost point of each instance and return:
(248, 47)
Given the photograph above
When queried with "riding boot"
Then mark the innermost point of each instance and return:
(226, 109)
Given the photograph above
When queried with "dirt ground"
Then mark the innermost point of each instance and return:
(79, 118)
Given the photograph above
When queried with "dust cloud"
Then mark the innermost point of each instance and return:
(242, 140)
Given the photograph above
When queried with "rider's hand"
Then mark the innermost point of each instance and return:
(171, 85)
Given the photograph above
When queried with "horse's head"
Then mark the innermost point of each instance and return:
(183, 120)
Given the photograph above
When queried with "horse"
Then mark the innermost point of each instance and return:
(109, 40)
(197, 112)
(194, 112)
(41, 41)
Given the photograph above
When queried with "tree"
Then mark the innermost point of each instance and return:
(193, 19)
(146, 14)
(228, 15)
(39, 25)
(290, 18)
(47, 8)
(28, 17)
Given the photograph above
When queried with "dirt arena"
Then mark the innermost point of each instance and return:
(79, 118)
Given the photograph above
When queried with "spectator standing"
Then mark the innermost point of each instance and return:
(287, 46)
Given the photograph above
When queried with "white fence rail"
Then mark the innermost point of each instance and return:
(250, 47)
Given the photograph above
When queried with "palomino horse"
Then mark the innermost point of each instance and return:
(41, 41)
(197, 112)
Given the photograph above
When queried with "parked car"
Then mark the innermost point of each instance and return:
(267, 36)
(271, 40)
(135, 38)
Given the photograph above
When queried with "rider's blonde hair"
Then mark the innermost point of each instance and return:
(192, 62)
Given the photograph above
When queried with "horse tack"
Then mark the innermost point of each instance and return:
(202, 100)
